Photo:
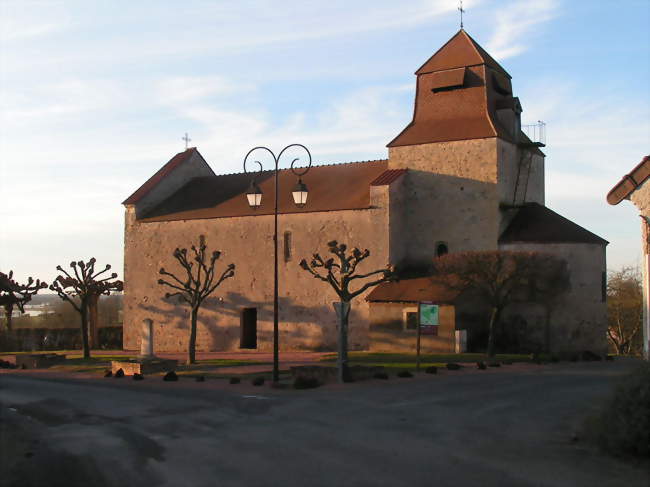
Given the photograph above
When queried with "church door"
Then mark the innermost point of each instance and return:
(248, 328)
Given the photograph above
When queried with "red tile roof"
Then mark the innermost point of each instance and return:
(626, 186)
(387, 177)
(420, 289)
(461, 50)
(331, 187)
(456, 97)
(172, 164)
(535, 223)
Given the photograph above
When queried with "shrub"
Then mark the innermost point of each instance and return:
(108, 373)
(404, 373)
(494, 364)
(481, 365)
(306, 383)
(170, 377)
(258, 381)
(453, 366)
(119, 374)
(381, 375)
(623, 428)
(431, 369)
(235, 380)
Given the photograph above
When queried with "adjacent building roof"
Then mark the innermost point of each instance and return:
(420, 289)
(626, 186)
(535, 223)
(387, 177)
(163, 172)
(331, 187)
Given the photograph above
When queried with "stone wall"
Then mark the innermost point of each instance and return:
(509, 160)
(579, 320)
(387, 332)
(307, 319)
(450, 196)
(194, 167)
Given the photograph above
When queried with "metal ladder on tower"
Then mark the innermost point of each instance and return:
(523, 176)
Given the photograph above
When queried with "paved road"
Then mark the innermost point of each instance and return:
(508, 427)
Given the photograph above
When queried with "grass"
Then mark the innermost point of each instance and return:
(97, 363)
(407, 361)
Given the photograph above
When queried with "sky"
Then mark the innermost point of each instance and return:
(96, 96)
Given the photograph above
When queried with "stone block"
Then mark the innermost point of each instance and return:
(144, 366)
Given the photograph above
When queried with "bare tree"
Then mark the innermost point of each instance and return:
(339, 273)
(625, 310)
(198, 283)
(84, 285)
(503, 277)
(15, 294)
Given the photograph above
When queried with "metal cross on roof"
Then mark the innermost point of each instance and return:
(186, 139)
(462, 11)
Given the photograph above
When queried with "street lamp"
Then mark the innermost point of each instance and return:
(254, 197)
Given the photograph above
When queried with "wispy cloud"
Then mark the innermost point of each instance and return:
(515, 24)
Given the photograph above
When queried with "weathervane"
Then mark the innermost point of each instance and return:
(186, 139)
(460, 9)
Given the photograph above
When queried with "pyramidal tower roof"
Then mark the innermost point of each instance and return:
(459, 51)
(458, 93)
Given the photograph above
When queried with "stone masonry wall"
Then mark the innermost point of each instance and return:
(307, 319)
(451, 196)
(579, 320)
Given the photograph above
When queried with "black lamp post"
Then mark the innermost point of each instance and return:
(254, 197)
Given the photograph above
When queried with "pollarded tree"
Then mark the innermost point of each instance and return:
(339, 273)
(198, 283)
(81, 288)
(15, 294)
(504, 277)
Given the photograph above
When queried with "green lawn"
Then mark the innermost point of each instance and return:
(99, 363)
(407, 361)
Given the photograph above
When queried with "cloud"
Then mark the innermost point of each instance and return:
(515, 23)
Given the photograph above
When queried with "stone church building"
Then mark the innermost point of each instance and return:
(461, 176)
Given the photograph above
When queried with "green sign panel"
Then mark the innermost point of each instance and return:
(429, 314)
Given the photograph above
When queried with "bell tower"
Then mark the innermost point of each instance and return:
(463, 150)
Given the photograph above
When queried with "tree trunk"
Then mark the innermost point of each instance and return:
(191, 352)
(84, 328)
(9, 309)
(93, 324)
(342, 313)
(494, 317)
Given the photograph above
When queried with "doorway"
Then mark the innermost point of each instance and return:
(248, 326)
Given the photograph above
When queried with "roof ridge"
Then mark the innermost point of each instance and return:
(301, 167)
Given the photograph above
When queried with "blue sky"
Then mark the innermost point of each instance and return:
(95, 97)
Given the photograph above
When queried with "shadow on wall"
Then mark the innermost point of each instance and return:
(301, 327)
(462, 212)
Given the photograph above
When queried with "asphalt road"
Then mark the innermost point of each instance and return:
(507, 427)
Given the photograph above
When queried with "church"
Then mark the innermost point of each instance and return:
(462, 175)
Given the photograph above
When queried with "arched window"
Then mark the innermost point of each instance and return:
(441, 249)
